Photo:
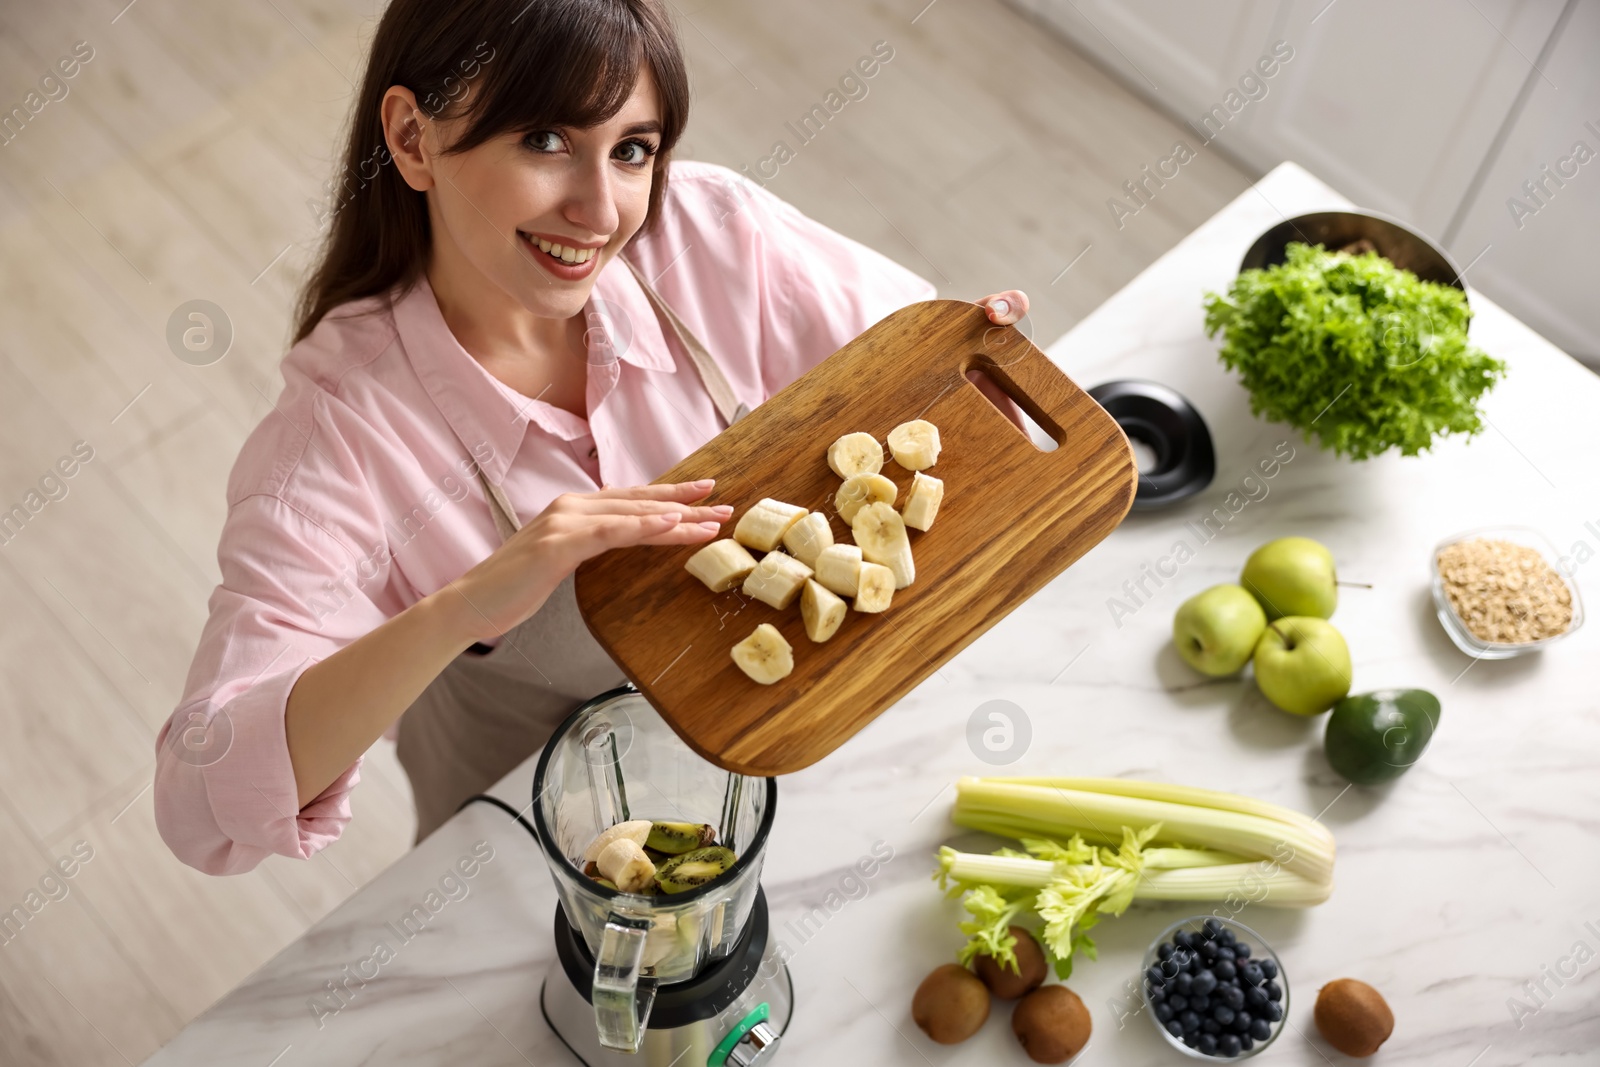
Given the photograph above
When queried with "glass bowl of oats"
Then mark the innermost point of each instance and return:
(1499, 592)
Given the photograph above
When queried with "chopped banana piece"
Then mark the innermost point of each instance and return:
(821, 611)
(765, 656)
(915, 444)
(838, 569)
(855, 453)
(876, 588)
(807, 538)
(624, 864)
(777, 580)
(721, 565)
(763, 526)
(636, 831)
(881, 534)
(922, 501)
(859, 490)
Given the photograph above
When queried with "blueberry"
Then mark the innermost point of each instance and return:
(1272, 1011)
(1251, 973)
(1189, 1021)
(1200, 1004)
(1204, 982)
(1178, 1003)
(1227, 936)
(1156, 978)
(1192, 1040)
(1225, 953)
(1210, 1026)
(1224, 970)
(1181, 939)
(1229, 1045)
(1208, 950)
(1274, 991)
(1241, 950)
(1255, 997)
(1207, 1044)
(1164, 950)
(1261, 1029)
(1223, 1015)
(1156, 994)
(1173, 1028)
(1212, 927)
(1269, 967)
(1233, 997)
(1184, 983)
(1246, 1043)
(1164, 1012)
(1242, 1021)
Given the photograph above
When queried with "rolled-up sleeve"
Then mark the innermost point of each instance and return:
(292, 593)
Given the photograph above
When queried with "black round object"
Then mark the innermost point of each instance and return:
(680, 1003)
(1335, 230)
(1165, 422)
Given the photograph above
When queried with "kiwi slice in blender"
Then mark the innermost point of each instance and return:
(676, 838)
(694, 869)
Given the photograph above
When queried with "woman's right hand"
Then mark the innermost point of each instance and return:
(516, 579)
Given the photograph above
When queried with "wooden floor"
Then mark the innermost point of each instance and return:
(183, 164)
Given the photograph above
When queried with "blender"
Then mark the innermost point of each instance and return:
(673, 979)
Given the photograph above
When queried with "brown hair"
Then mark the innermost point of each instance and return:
(529, 65)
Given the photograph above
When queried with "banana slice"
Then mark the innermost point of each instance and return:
(915, 444)
(876, 588)
(637, 831)
(763, 526)
(859, 490)
(765, 656)
(624, 864)
(777, 580)
(721, 564)
(922, 501)
(821, 611)
(881, 535)
(807, 538)
(838, 568)
(855, 453)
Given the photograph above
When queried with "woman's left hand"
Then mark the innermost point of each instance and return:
(1007, 308)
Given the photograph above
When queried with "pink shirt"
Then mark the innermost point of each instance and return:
(359, 495)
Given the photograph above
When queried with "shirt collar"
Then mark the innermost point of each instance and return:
(483, 411)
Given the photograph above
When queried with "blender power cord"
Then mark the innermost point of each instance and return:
(485, 798)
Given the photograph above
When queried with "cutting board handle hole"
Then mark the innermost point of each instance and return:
(1022, 406)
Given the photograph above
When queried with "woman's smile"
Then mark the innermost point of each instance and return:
(569, 262)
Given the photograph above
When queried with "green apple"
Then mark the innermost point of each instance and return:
(1292, 576)
(1303, 665)
(1217, 630)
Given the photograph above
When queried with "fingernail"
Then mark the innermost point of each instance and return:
(713, 526)
(723, 509)
(1001, 307)
(704, 482)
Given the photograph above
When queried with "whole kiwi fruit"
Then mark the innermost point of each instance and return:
(1052, 1024)
(950, 1004)
(1007, 984)
(1353, 1017)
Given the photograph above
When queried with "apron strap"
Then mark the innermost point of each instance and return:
(716, 383)
(500, 509)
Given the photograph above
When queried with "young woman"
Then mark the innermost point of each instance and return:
(521, 316)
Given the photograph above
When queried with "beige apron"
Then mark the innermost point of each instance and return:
(491, 709)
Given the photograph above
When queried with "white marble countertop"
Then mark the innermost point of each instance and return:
(1471, 875)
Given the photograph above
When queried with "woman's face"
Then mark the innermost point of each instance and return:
(538, 215)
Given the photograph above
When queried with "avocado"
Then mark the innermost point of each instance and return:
(1375, 737)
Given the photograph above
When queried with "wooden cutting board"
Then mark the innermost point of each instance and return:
(1013, 518)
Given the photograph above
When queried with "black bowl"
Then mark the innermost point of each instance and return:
(1163, 420)
(1335, 230)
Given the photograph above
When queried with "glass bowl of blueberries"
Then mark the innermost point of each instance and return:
(1214, 988)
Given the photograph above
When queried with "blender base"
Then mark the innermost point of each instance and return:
(572, 1019)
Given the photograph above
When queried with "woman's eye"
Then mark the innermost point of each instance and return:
(634, 153)
(543, 141)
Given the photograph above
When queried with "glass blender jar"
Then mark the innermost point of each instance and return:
(664, 974)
